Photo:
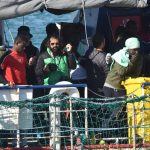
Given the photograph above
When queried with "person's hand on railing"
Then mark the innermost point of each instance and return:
(11, 84)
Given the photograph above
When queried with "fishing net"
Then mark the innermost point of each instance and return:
(64, 122)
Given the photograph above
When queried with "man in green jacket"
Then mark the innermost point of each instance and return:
(54, 64)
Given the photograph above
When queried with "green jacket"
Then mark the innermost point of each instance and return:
(62, 70)
(53, 77)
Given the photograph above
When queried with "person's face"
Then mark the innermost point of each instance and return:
(134, 52)
(29, 39)
(20, 46)
(54, 44)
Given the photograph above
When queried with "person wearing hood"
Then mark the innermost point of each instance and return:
(127, 62)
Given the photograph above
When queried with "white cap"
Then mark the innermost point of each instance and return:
(132, 43)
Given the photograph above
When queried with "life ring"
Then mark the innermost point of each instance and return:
(55, 120)
(70, 91)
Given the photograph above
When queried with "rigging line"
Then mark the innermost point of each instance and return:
(85, 27)
(45, 4)
(131, 93)
(23, 20)
(102, 96)
(108, 16)
(5, 40)
(9, 31)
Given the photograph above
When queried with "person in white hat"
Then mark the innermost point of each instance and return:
(126, 62)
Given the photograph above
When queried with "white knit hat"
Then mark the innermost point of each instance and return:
(132, 43)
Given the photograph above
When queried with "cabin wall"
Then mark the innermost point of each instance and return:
(110, 18)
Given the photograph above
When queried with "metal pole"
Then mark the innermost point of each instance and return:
(18, 130)
(18, 138)
(50, 125)
(86, 111)
(143, 123)
(54, 129)
(71, 124)
(134, 127)
(55, 125)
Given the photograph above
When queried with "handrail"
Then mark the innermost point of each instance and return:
(42, 86)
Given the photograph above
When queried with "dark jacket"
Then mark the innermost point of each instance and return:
(64, 62)
(31, 51)
(96, 70)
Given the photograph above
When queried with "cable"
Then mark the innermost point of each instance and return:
(109, 21)
(9, 31)
(97, 93)
(83, 8)
(128, 95)
(45, 4)
(5, 39)
(23, 20)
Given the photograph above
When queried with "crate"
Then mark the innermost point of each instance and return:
(138, 112)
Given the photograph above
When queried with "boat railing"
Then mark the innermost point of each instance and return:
(66, 121)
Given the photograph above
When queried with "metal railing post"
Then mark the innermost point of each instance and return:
(86, 112)
(71, 124)
(143, 112)
(134, 127)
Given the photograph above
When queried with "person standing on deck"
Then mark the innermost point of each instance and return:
(54, 65)
(125, 63)
(32, 53)
(13, 63)
(96, 74)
